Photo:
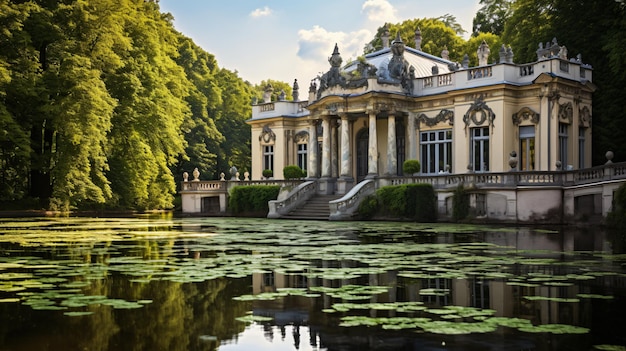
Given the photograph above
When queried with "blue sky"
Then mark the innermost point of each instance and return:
(284, 40)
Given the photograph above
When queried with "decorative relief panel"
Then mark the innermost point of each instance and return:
(479, 113)
(301, 137)
(442, 116)
(267, 135)
(525, 114)
(584, 117)
(566, 112)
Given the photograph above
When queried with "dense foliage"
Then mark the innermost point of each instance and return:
(409, 201)
(252, 199)
(102, 103)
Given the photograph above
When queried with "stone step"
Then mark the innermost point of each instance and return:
(316, 208)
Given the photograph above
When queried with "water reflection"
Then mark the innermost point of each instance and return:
(186, 284)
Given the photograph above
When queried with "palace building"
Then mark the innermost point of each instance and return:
(362, 120)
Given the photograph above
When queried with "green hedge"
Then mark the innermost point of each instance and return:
(409, 201)
(252, 199)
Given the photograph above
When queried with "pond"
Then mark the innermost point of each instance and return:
(234, 284)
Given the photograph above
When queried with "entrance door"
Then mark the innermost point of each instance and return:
(362, 143)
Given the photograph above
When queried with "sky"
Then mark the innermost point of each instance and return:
(286, 40)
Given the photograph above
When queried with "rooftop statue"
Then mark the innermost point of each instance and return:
(333, 76)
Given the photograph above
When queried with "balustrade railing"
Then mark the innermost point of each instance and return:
(480, 72)
(345, 207)
(299, 195)
(444, 79)
(516, 178)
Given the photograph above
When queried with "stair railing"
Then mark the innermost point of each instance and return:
(292, 199)
(346, 207)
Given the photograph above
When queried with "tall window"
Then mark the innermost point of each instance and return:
(581, 147)
(563, 135)
(527, 148)
(436, 148)
(479, 149)
(268, 157)
(302, 156)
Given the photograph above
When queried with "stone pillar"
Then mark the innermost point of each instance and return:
(334, 150)
(412, 137)
(346, 160)
(392, 154)
(326, 132)
(345, 182)
(312, 171)
(372, 150)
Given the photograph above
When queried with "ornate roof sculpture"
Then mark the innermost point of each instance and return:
(396, 64)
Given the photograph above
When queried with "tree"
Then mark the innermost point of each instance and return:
(231, 121)
(146, 137)
(531, 22)
(205, 98)
(491, 17)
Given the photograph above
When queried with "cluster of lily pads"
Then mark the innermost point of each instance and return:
(67, 256)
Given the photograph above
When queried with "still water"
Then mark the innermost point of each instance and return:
(254, 284)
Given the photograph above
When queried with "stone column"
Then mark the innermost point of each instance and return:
(326, 132)
(392, 154)
(372, 150)
(345, 182)
(334, 149)
(346, 160)
(412, 137)
(312, 152)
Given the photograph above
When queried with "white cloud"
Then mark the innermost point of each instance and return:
(379, 11)
(317, 44)
(265, 11)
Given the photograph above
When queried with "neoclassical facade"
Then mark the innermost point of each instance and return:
(365, 118)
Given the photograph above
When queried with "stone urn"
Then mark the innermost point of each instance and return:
(196, 174)
(513, 160)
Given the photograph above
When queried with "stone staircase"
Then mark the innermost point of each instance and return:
(316, 208)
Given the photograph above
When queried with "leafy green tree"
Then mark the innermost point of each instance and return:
(531, 22)
(146, 136)
(14, 139)
(231, 121)
(491, 17)
(205, 97)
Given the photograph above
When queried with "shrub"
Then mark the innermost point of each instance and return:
(368, 207)
(421, 202)
(460, 203)
(293, 172)
(411, 166)
(392, 200)
(252, 199)
(268, 173)
(411, 201)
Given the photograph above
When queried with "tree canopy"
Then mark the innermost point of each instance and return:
(102, 102)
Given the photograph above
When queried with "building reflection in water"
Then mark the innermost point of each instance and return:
(500, 293)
